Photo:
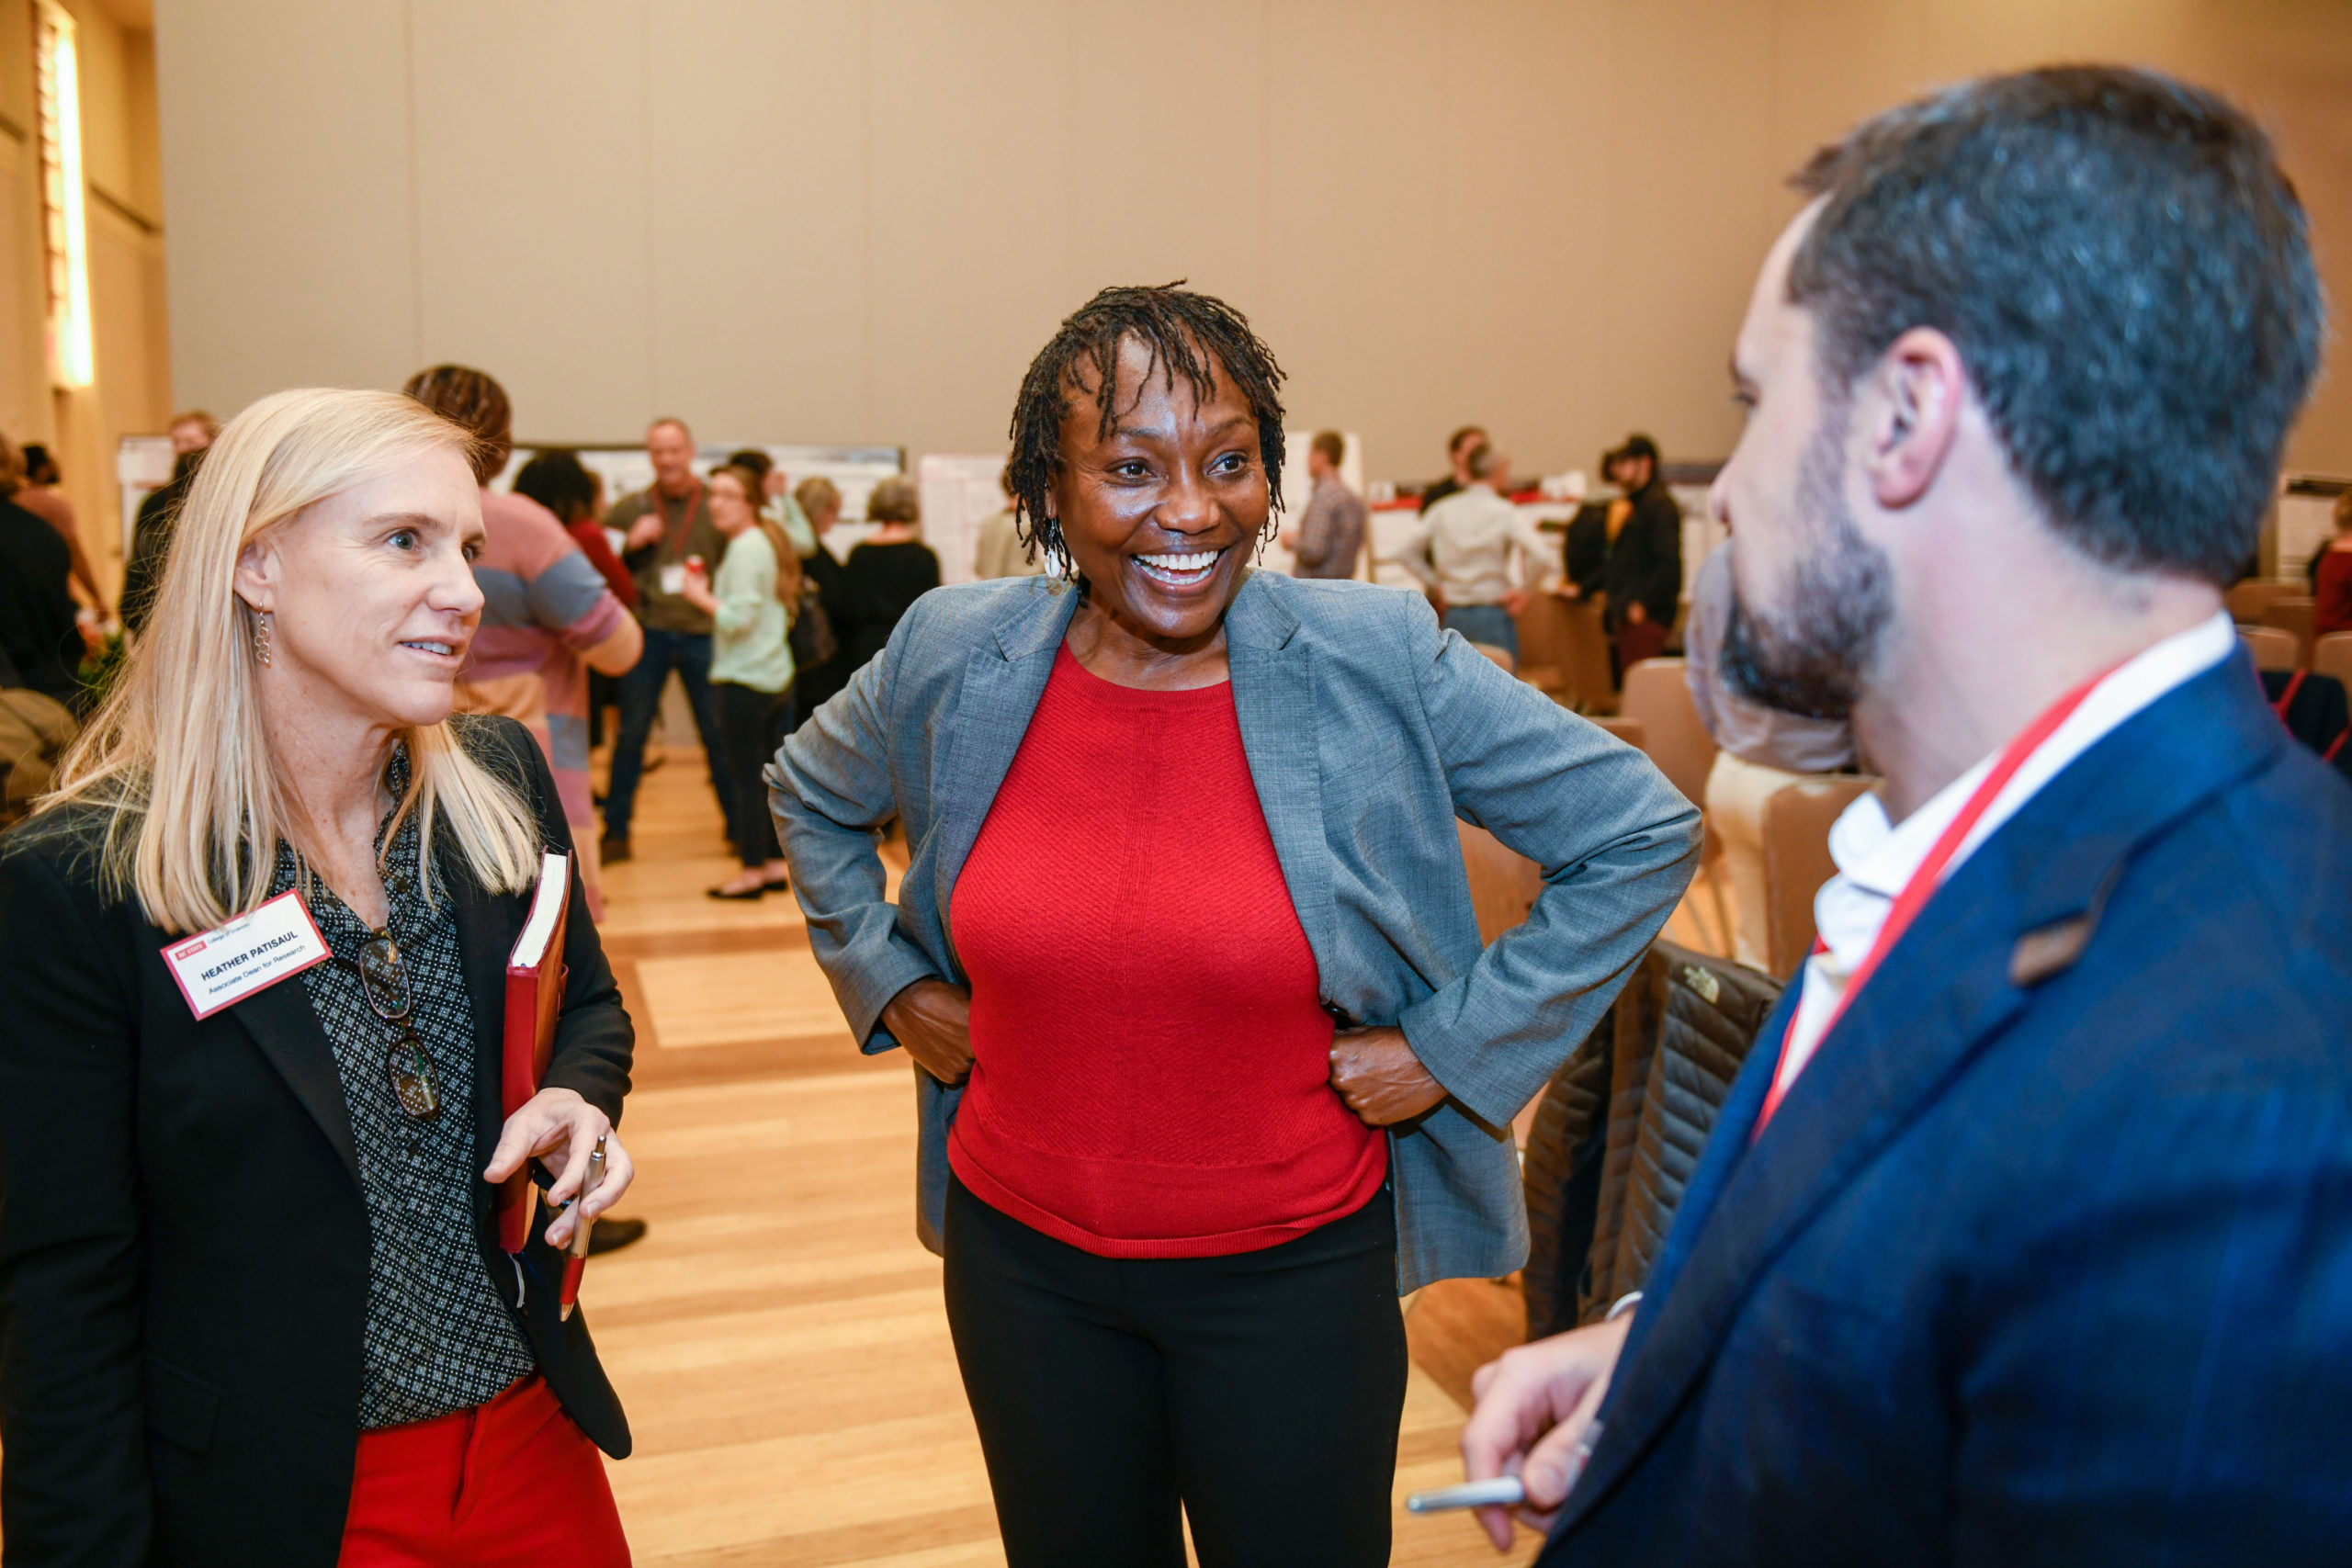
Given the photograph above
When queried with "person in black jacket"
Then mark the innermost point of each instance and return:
(1644, 574)
(37, 633)
(252, 1303)
(151, 540)
(821, 503)
(887, 573)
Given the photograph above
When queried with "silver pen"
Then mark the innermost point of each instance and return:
(1502, 1491)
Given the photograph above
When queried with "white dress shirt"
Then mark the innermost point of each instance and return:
(1468, 539)
(1876, 858)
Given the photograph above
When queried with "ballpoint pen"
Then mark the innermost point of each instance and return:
(1501, 1491)
(576, 1263)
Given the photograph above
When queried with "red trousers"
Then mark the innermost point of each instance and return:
(508, 1484)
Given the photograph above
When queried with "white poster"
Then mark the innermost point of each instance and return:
(959, 492)
(1298, 486)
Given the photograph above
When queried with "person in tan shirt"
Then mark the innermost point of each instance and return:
(1000, 551)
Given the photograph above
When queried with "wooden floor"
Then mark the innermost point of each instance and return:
(778, 1339)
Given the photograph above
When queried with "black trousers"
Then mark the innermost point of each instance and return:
(1261, 1390)
(752, 724)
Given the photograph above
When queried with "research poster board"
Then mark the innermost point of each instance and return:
(959, 492)
(142, 464)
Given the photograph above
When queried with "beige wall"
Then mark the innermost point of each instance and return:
(803, 220)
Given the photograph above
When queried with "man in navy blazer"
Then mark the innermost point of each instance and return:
(2026, 1234)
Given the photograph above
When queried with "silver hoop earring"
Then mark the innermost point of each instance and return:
(261, 636)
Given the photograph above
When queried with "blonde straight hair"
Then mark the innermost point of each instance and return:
(178, 759)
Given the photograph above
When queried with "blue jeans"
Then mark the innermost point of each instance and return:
(639, 693)
(1489, 624)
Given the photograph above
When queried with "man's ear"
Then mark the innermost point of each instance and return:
(257, 574)
(1914, 406)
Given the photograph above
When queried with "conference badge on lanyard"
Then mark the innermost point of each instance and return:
(221, 967)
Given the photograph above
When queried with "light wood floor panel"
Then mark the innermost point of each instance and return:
(738, 997)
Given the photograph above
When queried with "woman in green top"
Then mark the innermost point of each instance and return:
(751, 667)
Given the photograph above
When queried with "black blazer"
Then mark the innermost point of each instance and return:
(1584, 550)
(183, 1245)
(1645, 562)
(37, 632)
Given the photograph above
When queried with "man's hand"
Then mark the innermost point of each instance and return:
(1515, 602)
(1568, 591)
(933, 1020)
(1535, 1405)
(560, 1129)
(1377, 1074)
(1634, 615)
(646, 530)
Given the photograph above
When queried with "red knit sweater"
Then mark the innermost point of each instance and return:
(1151, 1061)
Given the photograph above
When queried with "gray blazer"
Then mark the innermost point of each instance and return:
(1368, 731)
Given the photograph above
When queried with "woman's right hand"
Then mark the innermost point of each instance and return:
(933, 1020)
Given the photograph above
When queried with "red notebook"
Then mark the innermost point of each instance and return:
(534, 1001)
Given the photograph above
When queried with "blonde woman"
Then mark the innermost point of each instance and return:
(252, 1301)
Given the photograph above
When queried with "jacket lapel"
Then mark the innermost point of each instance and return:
(1941, 994)
(286, 1027)
(992, 709)
(1273, 697)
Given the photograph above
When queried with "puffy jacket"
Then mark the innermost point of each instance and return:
(1622, 1124)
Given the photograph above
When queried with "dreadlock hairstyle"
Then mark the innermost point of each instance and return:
(472, 401)
(1187, 335)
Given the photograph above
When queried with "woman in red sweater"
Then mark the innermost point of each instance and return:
(1193, 831)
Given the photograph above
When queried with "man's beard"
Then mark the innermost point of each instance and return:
(1814, 657)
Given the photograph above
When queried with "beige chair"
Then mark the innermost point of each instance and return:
(1542, 625)
(2256, 595)
(1503, 883)
(2331, 655)
(1563, 650)
(1796, 862)
(2293, 617)
(1658, 695)
(1629, 731)
(2272, 648)
(1501, 655)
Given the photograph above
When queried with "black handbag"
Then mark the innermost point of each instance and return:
(812, 636)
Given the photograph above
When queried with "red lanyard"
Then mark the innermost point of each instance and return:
(1929, 877)
(677, 541)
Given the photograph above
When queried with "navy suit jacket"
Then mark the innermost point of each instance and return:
(2034, 1266)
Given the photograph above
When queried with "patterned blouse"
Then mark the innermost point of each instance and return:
(438, 1337)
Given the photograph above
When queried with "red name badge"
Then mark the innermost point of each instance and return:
(219, 968)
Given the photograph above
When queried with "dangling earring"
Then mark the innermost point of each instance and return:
(261, 636)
